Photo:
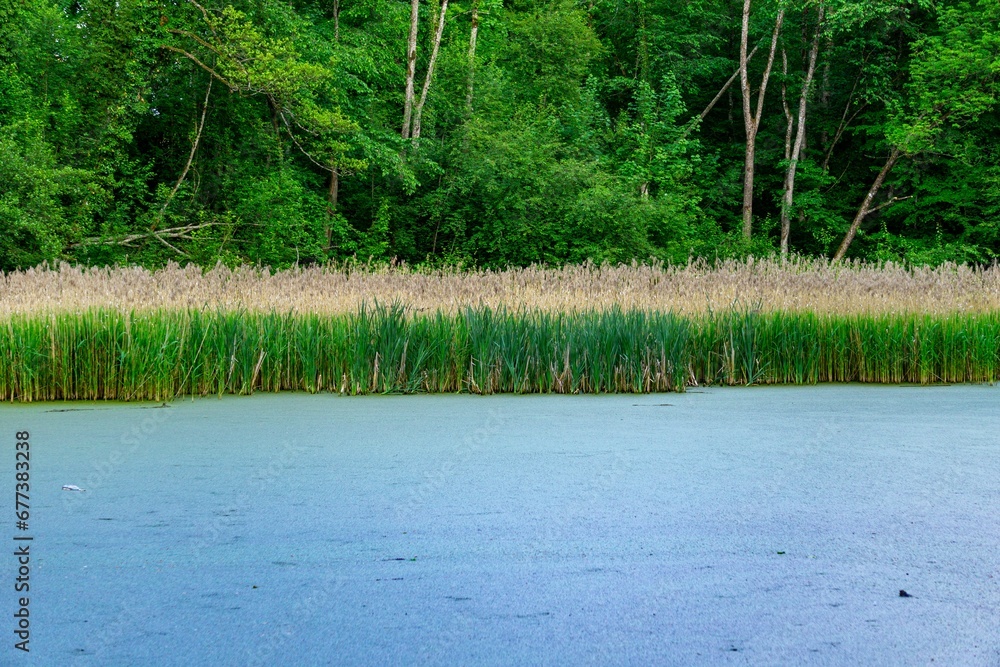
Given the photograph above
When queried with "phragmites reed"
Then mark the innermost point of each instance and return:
(133, 334)
(799, 285)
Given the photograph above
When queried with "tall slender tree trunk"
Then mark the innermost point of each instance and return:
(336, 20)
(334, 190)
(418, 113)
(866, 203)
(748, 124)
(751, 121)
(800, 139)
(473, 34)
(332, 196)
(789, 120)
(824, 94)
(411, 67)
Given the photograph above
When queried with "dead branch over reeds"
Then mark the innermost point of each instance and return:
(800, 285)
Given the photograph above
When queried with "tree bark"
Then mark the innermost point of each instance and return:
(418, 113)
(411, 67)
(332, 196)
(800, 138)
(334, 189)
(336, 20)
(748, 125)
(751, 122)
(789, 121)
(866, 203)
(473, 34)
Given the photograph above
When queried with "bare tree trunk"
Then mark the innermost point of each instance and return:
(336, 20)
(751, 122)
(187, 167)
(866, 203)
(748, 123)
(334, 189)
(430, 70)
(411, 67)
(789, 121)
(824, 95)
(800, 139)
(332, 195)
(472, 56)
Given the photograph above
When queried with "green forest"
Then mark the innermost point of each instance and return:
(484, 133)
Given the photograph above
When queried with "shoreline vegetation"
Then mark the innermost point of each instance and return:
(69, 333)
(108, 354)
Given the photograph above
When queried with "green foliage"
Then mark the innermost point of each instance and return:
(954, 77)
(374, 243)
(283, 221)
(549, 52)
(574, 133)
(35, 221)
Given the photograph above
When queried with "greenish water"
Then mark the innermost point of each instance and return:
(721, 526)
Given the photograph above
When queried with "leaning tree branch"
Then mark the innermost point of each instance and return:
(694, 122)
(194, 148)
(890, 202)
(171, 246)
(204, 13)
(171, 233)
(193, 58)
(865, 207)
(288, 128)
(190, 35)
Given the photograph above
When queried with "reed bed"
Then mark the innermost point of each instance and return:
(157, 355)
(796, 286)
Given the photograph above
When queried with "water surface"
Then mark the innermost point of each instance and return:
(722, 526)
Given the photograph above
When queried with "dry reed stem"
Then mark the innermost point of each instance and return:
(795, 286)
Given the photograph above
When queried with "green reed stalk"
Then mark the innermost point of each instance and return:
(105, 354)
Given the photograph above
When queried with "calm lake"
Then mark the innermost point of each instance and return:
(772, 525)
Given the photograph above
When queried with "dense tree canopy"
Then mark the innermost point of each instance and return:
(276, 132)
